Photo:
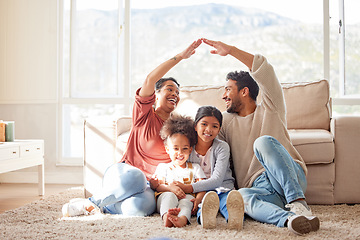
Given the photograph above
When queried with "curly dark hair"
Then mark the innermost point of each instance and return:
(179, 124)
(244, 79)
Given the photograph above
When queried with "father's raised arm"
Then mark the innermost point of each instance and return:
(223, 49)
(148, 86)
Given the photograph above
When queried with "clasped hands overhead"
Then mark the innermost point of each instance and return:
(221, 48)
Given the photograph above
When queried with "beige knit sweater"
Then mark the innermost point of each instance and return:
(268, 119)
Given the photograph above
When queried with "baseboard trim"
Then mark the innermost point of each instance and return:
(50, 177)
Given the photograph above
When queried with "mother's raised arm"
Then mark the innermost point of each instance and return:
(148, 86)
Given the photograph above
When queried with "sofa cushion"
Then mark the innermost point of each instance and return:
(307, 105)
(316, 146)
(192, 97)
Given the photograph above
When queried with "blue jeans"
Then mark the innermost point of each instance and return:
(222, 206)
(125, 191)
(282, 182)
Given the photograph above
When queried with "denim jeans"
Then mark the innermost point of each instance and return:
(222, 206)
(282, 182)
(125, 191)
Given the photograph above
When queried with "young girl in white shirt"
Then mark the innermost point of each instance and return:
(174, 206)
(213, 156)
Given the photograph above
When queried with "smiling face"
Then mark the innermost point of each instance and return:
(207, 128)
(231, 97)
(179, 149)
(168, 96)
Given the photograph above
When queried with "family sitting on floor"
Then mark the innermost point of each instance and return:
(181, 167)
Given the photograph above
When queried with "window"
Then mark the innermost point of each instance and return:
(344, 56)
(290, 40)
(105, 61)
(349, 30)
(93, 69)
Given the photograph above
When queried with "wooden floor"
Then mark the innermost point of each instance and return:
(14, 195)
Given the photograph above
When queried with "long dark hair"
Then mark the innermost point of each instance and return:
(208, 111)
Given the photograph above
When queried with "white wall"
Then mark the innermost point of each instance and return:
(29, 82)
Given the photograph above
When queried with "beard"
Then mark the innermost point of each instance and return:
(235, 106)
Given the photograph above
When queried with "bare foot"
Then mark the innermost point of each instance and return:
(178, 221)
(174, 211)
(167, 222)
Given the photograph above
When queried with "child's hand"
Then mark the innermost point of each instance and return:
(177, 191)
(154, 182)
(179, 184)
(195, 207)
(187, 188)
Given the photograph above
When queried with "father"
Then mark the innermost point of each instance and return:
(269, 171)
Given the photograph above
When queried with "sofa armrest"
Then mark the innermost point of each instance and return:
(123, 128)
(123, 125)
(100, 150)
(346, 130)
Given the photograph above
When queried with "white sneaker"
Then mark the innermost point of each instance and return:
(235, 207)
(299, 209)
(302, 224)
(78, 207)
(209, 210)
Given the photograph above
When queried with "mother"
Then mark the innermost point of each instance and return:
(125, 187)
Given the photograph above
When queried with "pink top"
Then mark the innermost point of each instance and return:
(205, 162)
(145, 149)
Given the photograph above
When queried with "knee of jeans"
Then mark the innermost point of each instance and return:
(126, 177)
(263, 140)
(263, 143)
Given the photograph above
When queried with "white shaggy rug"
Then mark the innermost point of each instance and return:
(41, 220)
